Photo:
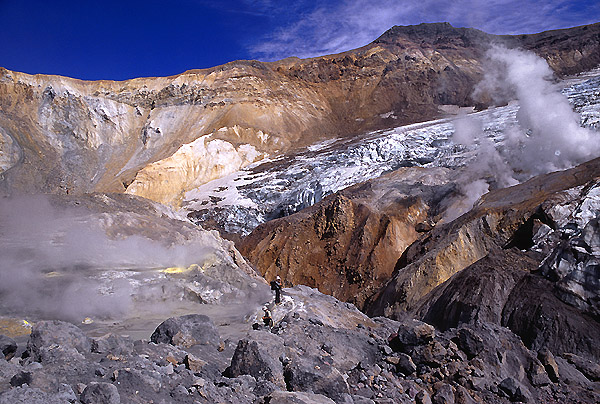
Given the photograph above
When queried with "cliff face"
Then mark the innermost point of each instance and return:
(160, 137)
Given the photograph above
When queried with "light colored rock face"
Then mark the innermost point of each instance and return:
(9, 152)
(574, 262)
(192, 165)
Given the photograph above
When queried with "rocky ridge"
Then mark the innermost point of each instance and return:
(161, 137)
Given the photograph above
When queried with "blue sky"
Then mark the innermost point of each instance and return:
(117, 40)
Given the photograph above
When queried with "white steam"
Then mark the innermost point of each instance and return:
(56, 262)
(547, 136)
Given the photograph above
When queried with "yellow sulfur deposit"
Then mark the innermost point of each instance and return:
(180, 270)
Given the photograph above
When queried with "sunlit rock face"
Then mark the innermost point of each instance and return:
(504, 218)
(64, 135)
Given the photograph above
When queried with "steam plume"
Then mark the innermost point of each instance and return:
(547, 136)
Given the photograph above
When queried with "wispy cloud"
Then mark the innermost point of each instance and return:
(309, 29)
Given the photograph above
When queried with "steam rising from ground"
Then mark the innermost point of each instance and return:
(53, 261)
(547, 136)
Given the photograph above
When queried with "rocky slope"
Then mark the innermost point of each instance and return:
(320, 351)
(160, 137)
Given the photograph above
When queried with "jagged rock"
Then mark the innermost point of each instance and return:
(469, 342)
(444, 395)
(27, 395)
(100, 393)
(462, 396)
(549, 363)
(258, 359)
(8, 346)
(187, 331)
(538, 375)
(194, 364)
(112, 344)
(405, 364)
(414, 332)
(513, 390)
(590, 369)
(51, 338)
(289, 397)
(533, 312)
(574, 264)
(423, 397)
(21, 378)
(303, 375)
(502, 219)
(478, 293)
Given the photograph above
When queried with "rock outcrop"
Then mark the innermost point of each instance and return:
(348, 244)
(161, 137)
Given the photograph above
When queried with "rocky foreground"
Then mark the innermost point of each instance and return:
(320, 351)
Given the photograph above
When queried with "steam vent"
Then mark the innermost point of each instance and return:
(430, 202)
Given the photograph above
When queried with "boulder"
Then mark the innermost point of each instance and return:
(187, 331)
(469, 342)
(513, 390)
(260, 360)
(590, 369)
(289, 397)
(411, 333)
(405, 364)
(28, 395)
(50, 339)
(444, 395)
(112, 344)
(100, 393)
(550, 365)
(302, 374)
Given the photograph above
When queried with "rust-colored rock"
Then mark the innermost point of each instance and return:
(348, 244)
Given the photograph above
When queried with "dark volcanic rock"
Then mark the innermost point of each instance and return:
(498, 221)
(543, 321)
(513, 390)
(469, 342)
(187, 331)
(258, 359)
(50, 339)
(477, 293)
(303, 375)
(8, 347)
(590, 369)
(100, 393)
(112, 344)
(287, 397)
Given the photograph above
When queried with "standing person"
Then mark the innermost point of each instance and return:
(267, 318)
(276, 286)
